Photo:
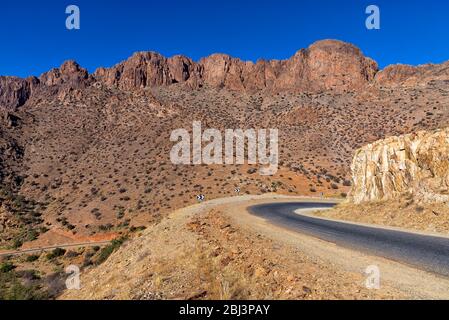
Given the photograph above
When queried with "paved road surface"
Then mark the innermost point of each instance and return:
(429, 253)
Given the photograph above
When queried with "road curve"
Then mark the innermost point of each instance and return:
(429, 253)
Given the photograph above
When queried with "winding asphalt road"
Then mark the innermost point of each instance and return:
(429, 253)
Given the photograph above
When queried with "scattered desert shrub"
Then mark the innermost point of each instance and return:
(32, 258)
(6, 267)
(109, 249)
(58, 252)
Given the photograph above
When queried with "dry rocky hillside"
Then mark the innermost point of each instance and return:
(88, 154)
(201, 252)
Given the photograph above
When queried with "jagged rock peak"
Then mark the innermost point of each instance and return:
(69, 73)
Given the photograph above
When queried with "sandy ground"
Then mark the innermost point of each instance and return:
(403, 212)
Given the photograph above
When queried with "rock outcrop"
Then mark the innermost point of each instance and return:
(149, 69)
(69, 74)
(411, 76)
(14, 92)
(415, 164)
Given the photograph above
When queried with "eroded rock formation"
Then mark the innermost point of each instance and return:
(14, 92)
(413, 163)
(69, 73)
(327, 64)
(411, 76)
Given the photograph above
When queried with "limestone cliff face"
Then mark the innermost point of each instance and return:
(413, 163)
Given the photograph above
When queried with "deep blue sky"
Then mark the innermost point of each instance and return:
(34, 38)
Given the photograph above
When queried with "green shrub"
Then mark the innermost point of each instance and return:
(135, 229)
(15, 290)
(109, 249)
(6, 267)
(32, 258)
(17, 242)
(56, 253)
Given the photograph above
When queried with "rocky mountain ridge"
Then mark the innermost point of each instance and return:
(325, 65)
